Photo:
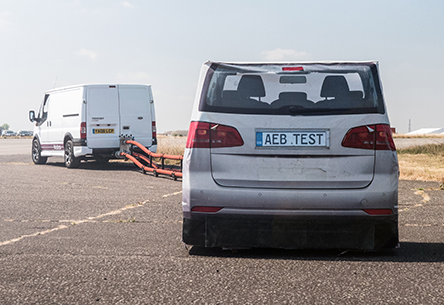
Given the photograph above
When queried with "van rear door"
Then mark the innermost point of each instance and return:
(103, 126)
(135, 112)
(113, 110)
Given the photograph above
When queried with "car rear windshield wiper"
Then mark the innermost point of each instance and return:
(295, 109)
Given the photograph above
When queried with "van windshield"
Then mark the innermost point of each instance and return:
(292, 89)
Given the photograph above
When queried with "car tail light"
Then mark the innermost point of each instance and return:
(378, 211)
(211, 135)
(376, 137)
(198, 135)
(292, 69)
(83, 130)
(153, 124)
(206, 209)
(384, 138)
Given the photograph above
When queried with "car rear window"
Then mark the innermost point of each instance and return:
(292, 89)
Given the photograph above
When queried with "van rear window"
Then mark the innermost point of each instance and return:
(302, 89)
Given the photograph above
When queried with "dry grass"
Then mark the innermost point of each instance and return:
(421, 136)
(425, 163)
(429, 149)
(171, 145)
(421, 167)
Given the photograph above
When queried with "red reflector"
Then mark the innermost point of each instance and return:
(153, 124)
(83, 130)
(377, 137)
(211, 135)
(293, 69)
(206, 209)
(378, 211)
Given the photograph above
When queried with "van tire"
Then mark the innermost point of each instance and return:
(36, 153)
(70, 160)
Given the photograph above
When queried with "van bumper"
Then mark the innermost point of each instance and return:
(369, 233)
(80, 151)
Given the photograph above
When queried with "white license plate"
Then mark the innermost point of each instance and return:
(292, 138)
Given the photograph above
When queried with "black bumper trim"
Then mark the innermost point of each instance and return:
(79, 142)
(234, 231)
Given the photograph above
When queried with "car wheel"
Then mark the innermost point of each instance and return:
(70, 160)
(36, 153)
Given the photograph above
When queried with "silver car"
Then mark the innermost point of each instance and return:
(296, 156)
(8, 133)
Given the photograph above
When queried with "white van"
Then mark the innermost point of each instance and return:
(86, 121)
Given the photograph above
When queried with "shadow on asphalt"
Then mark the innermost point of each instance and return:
(408, 252)
(111, 166)
(92, 165)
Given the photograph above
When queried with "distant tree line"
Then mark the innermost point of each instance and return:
(4, 127)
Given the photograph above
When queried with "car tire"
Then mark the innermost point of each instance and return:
(36, 153)
(70, 160)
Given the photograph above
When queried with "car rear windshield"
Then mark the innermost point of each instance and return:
(292, 89)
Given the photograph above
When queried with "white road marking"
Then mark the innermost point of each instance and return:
(76, 222)
(32, 235)
(172, 194)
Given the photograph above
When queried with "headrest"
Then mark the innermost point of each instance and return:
(251, 85)
(356, 95)
(229, 94)
(334, 85)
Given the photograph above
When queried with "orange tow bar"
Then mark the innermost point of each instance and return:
(148, 158)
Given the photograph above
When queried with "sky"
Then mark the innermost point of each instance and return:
(54, 43)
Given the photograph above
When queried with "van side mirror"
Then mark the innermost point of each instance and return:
(32, 116)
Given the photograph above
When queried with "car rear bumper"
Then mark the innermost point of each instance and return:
(293, 232)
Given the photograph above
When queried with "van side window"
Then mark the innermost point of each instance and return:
(43, 112)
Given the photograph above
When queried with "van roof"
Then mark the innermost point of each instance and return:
(91, 85)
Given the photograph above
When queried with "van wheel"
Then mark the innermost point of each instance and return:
(36, 153)
(70, 160)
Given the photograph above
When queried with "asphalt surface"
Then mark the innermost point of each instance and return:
(15, 146)
(111, 235)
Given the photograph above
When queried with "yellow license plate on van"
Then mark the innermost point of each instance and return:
(103, 130)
